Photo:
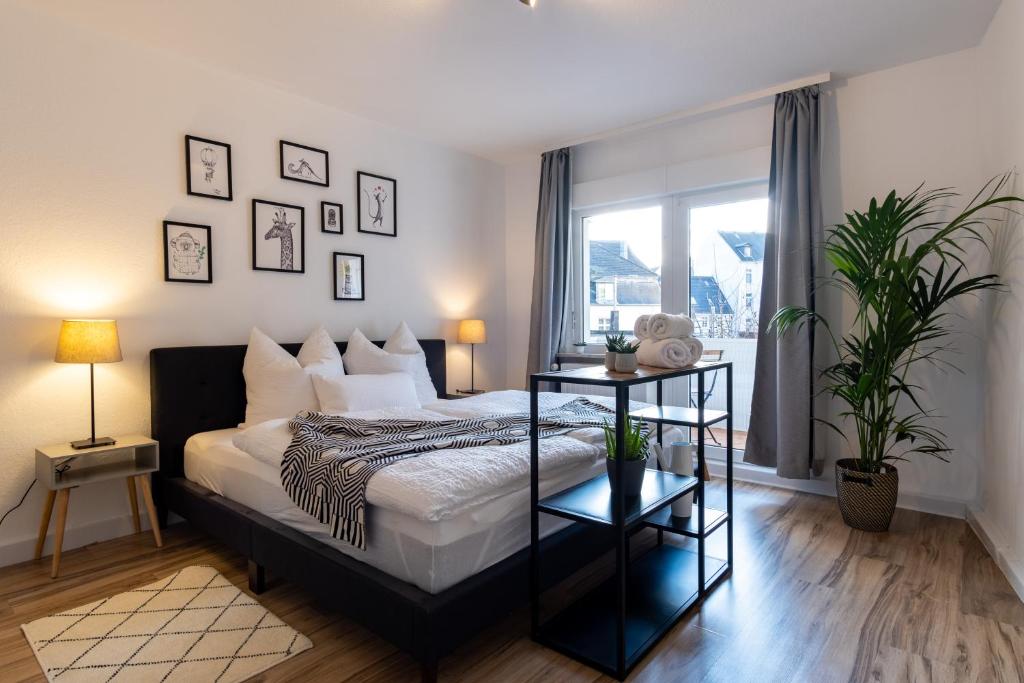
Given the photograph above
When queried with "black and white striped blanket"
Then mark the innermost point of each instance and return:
(331, 458)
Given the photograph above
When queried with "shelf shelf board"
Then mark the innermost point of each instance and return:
(591, 501)
(676, 415)
(687, 526)
(662, 585)
(598, 375)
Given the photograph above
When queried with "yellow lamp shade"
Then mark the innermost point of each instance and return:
(88, 341)
(472, 332)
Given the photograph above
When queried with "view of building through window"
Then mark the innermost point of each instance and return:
(625, 268)
(622, 250)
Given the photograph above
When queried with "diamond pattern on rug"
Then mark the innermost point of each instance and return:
(192, 626)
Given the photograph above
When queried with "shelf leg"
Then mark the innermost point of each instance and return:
(700, 484)
(619, 515)
(661, 442)
(147, 497)
(133, 502)
(44, 522)
(728, 463)
(58, 533)
(534, 521)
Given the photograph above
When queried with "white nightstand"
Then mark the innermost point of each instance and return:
(61, 468)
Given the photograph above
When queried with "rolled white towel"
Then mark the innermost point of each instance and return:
(641, 328)
(696, 347)
(667, 326)
(669, 353)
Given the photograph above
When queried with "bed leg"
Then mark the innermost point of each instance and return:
(257, 578)
(428, 672)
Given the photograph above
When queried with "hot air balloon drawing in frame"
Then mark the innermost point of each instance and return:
(331, 218)
(208, 168)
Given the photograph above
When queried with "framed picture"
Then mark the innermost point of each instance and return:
(188, 252)
(278, 237)
(349, 284)
(304, 164)
(208, 168)
(377, 199)
(332, 219)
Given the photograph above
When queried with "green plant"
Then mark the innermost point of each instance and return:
(616, 343)
(900, 263)
(636, 440)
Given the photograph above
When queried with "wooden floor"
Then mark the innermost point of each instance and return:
(810, 600)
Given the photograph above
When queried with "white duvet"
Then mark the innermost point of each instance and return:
(442, 484)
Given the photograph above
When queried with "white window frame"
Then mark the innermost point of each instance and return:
(675, 234)
(581, 264)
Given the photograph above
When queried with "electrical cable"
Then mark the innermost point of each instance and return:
(23, 497)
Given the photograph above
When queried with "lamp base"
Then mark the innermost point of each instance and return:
(470, 392)
(92, 443)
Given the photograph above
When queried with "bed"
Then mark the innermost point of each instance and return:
(425, 587)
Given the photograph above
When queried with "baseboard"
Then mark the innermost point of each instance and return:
(995, 542)
(741, 471)
(103, 530)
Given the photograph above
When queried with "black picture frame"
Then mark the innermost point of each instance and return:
(362, 276)
(364, 210)
(194, 189)
(302, 237)
(287, 174)
(180, 249)
(338, 226)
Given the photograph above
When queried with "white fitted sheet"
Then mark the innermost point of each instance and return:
(432, 555)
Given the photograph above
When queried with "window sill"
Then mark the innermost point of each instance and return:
(580, 358)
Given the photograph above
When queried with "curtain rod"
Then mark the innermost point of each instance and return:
(771, 91)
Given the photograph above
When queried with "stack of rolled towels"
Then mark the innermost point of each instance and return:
(667, 341)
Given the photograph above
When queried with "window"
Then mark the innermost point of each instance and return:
(621, 259)
(698, 253)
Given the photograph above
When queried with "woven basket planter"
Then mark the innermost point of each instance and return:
(866, 499)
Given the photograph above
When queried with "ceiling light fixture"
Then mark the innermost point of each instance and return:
(531, 3)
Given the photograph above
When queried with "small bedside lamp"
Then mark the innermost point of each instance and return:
(472, 332)
(89, 341)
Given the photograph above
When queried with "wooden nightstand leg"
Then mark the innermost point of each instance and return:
(58, 538)
(147, 496)
(44, 523)
(133, 499)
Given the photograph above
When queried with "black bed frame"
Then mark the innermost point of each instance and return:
(200, 388)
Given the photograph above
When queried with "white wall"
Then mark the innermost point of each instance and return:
(998, 513)
(890, 129)
(91, 162)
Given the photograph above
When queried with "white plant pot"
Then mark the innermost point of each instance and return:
(625, 362)
(609, 360)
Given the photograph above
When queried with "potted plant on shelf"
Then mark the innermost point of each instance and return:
(900, 263)
(620, 355)
(634, 462)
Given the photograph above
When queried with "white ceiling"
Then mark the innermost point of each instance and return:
(497, 78)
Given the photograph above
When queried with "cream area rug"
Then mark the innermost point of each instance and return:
(193, 626)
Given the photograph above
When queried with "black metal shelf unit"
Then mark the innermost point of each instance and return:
(612, 627)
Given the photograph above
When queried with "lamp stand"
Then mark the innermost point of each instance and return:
(472, 391)
(92, 441)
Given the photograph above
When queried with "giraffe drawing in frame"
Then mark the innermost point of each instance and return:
(282, 230)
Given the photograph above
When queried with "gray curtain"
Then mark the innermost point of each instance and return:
(781, 432)
(551, 285)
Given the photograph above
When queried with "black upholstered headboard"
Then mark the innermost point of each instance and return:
(200, 388)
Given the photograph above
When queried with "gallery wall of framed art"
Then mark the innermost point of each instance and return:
(278, 229)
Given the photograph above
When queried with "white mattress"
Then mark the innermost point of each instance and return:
(432, 554)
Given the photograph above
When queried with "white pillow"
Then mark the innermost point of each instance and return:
(403, 342)
(278, 384)
(365, 392)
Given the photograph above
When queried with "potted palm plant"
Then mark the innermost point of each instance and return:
(634, 462)
(900, 263)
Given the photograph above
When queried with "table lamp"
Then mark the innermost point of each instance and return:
(472, 332)
(89, 341)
